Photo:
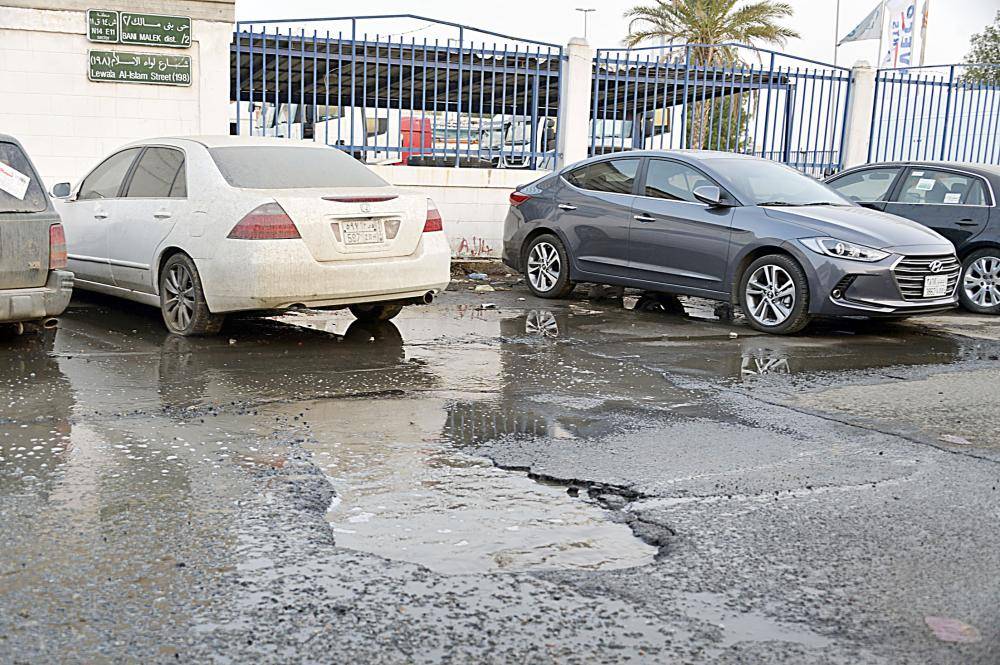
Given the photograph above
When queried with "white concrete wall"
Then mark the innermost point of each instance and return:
(473, 202)
(68, 123)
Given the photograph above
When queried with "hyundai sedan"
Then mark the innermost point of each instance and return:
(204, 226)
(729, 227)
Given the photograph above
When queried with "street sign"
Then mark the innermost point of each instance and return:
(102, 26)
(154, 68)
(155, 30)
(111, 27)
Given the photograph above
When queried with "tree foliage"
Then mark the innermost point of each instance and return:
(719, 123)
(985, 49)
(710, 22)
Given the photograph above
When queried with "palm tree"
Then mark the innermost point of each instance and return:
(711, 22)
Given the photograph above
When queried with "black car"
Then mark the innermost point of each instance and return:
(956, 200)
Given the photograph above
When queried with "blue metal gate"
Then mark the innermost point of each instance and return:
(760, 103)
(480, 99)
(936, 113)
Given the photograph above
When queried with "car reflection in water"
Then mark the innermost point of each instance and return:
(36, 404)
(254, 359)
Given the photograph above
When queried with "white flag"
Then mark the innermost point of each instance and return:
(900, 34)
(869, 28)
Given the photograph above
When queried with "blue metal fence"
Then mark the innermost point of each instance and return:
(948, 112)
(478, 99)
(761, 103)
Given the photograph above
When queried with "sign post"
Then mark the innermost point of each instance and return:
(155, 30)
(102, 26)
(154, 68)
(112, 27)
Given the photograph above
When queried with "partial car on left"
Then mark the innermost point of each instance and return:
(34, 284)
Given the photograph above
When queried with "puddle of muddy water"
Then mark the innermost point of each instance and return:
(405, 493)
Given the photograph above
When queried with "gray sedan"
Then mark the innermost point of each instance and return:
(729, 227)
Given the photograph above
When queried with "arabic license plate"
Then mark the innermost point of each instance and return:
(361, 232)
(935, 286)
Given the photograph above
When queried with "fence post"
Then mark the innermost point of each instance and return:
(575, 87)
(860, 111)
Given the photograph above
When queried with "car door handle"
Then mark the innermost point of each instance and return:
(566, 206)
(99, 214)
(644, 218)
(967, 222)
(161, 214)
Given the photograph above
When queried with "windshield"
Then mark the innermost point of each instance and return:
(768, 183)
(291, 167)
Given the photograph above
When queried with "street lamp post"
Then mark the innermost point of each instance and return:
(586, 12)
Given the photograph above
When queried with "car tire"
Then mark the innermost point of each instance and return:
(546, 267)
(979, 285)
(182, 299)
(375, 312)
(774, 295)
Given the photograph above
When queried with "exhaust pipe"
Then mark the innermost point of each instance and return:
(50, 323)
(428, 297)
(18, 329)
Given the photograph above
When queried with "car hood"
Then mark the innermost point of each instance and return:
(863, 226)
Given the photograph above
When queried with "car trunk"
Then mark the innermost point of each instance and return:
(25, 218)
(24, 249)
(359, 223)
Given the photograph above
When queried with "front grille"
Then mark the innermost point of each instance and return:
(911, 270)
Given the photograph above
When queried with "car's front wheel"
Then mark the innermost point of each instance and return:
(374, 313)
(979, 290)
(546, 267)
(182, 299)
(774, 293)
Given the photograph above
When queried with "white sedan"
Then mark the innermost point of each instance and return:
(202, 226)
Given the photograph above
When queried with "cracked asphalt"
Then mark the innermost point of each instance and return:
(499, 479)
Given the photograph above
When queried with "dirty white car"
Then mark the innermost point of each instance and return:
(202, 226)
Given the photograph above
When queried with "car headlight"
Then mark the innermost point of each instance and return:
(844, 250)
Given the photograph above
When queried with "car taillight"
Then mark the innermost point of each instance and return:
(517, 198)
(433, 222)
(265, 222)
(57, 247)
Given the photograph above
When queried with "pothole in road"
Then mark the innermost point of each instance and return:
(404, 493)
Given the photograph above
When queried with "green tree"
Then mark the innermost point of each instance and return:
(712, 22)
(985, 49)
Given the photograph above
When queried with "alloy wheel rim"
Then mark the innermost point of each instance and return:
(770, 295)
(179, 304)
(982, 281)
(544, 266)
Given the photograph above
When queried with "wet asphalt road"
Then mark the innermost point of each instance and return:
(541, 482)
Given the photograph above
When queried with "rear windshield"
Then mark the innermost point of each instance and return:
(20, 188)
(291, 167)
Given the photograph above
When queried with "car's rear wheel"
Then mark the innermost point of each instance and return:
(546, 268)
(979, 290)
(774, 293)
(375, 312)
(182, 299)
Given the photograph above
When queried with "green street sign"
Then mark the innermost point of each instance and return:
(111, 27)
(102, 26)
(152, 68)
(155, 30)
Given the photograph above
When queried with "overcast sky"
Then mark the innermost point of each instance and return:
(951, 22)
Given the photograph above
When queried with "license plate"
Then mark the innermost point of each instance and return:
(935, 286)
(361, 232)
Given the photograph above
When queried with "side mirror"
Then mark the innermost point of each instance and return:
(709, 195)
(61, 190)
